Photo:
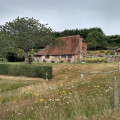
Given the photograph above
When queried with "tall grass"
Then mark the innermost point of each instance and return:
(91, 99)
(8, 88)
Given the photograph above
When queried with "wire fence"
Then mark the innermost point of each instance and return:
(83, 74)
(115, 84)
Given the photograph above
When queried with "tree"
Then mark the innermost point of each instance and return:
(113, 40)
(82, 32)
(3, 43)
(14, 55)
(27, 33)
(96, 40)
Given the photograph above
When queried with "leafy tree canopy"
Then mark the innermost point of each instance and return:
(96, 40)
(82, 32)
(27, 33)
(14, 55)
(113, 40)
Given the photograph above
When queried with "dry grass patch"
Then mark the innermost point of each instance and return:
(65, 96)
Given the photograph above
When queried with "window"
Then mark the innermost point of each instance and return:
(63, 56)
(56, 57)
(69, 56)
(47, 56)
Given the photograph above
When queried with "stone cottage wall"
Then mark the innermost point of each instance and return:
(113, 58)
(57, 59)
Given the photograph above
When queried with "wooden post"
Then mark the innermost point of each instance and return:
(82, 75)
(119, 67)
(116, 99)
(46, 76)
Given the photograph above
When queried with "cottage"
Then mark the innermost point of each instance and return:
(75, 50)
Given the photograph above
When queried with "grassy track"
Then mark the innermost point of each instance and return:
(64, 97)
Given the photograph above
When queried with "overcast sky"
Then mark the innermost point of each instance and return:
(66, 14)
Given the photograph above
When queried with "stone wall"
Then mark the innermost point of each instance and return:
(57, 59)
(113, 58)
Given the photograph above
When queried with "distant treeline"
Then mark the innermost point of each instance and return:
(95, 38)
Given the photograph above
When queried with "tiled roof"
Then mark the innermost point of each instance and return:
(71, 44)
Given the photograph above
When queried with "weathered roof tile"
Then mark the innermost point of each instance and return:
(71, 44)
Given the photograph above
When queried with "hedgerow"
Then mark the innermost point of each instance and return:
(26, 70)
(95, 60)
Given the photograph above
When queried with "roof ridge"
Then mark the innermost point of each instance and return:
(72, 43)
(70, 36)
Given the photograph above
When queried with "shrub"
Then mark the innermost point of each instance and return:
(26, 70)
(110, 52)
(97, 51)
(52, 61)
(95, 60)
(2, 58)
(15, 55)
(30, 58)
(102, 51)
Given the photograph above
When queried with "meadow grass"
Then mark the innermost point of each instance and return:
(64, 97)
(10, 85)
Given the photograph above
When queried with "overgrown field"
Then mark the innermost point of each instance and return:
(64, 97)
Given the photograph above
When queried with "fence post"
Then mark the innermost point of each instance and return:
(46, 76)
(119, 67)
(116, 99)
(82, 75)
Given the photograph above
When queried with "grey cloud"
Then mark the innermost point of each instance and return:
(65, 14)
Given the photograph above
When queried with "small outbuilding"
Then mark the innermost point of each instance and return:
(74, 50)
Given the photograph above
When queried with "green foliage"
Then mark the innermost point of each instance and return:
(113, 40)
(109, 41)
(27, 33)
(96, 40)
(110, 52)
(14, 55)
(26, 70)
(95, 60)
(82, 32)
(2, 58)
(30, 58)
(102, 51)
(94, 37)
(3, 43)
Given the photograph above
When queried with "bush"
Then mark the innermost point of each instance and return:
(95, 60)
(26, 70)
(30, 58)
(110, 52)
(52, 61)
(2, 58)
(14, 55)
(102, 51)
